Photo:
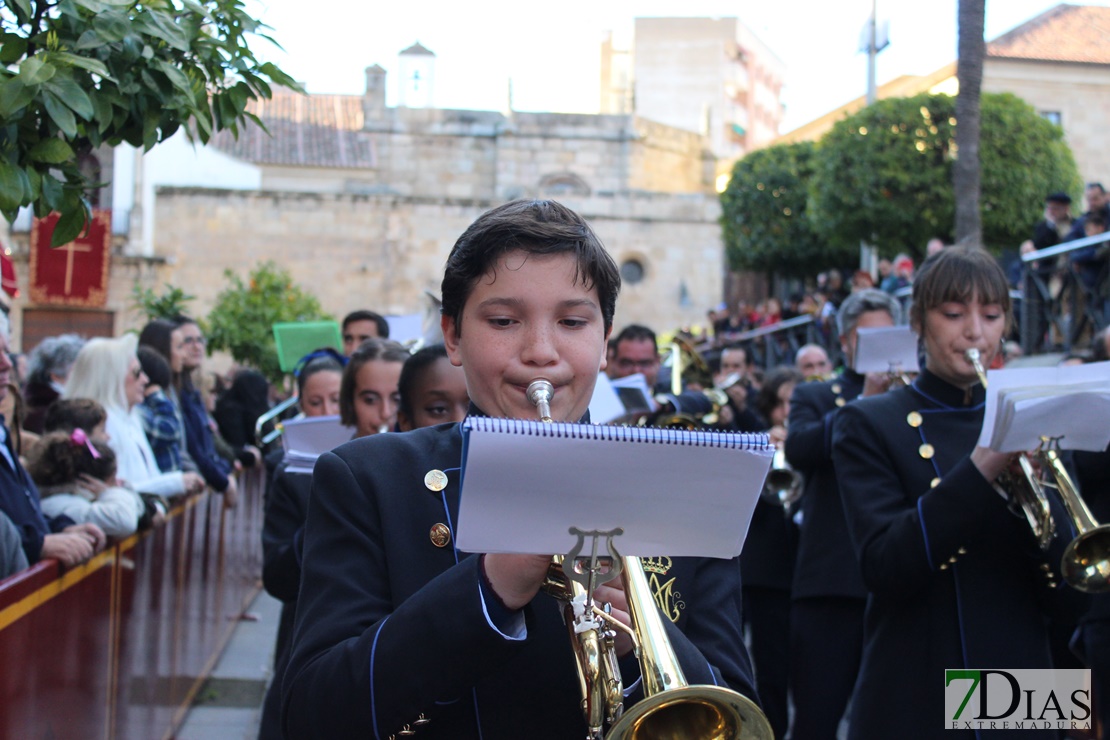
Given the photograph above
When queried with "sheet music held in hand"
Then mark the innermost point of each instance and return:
(306, 439)
(885, 349)
(674, 492)
(1068, 403)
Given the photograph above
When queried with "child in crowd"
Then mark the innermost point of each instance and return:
(433, 391)
(76, 477)
(68, 415)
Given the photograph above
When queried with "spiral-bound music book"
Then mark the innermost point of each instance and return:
(674, 492)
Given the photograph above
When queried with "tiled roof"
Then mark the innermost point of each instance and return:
(418, 49)
(1066, 33)
(305, 131)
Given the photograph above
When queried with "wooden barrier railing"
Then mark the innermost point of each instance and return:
(118, 647)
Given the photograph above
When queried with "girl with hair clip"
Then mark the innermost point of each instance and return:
(955, 577)
(61, 466)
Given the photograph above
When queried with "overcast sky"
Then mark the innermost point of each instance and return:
(551, 50)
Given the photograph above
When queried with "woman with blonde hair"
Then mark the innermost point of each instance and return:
(108, 371)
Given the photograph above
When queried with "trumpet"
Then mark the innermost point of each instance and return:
(783, 485)
(671, 707)
(1025, 489)
(1085, 564)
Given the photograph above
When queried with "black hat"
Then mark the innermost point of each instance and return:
(1059, 198)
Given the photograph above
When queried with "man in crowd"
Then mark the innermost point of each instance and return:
(635, 351)
(736, 379)
(1097, 202)
(358, 326)
(812, 361)
(1057, 221)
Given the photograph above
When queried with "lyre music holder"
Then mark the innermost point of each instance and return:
(593, 570)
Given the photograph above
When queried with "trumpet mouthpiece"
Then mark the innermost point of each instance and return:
(539, 392)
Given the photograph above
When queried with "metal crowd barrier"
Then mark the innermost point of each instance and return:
(1060, 310)
(776, 344)
(119, 647)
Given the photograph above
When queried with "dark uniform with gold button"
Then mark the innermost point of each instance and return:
(828, 592)
(392, 633)
(955, 577)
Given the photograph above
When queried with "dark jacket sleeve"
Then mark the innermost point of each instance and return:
(286, 511)
(809, 439)
(198, 439)
(230, 419)
(352, 672)
(901, 538)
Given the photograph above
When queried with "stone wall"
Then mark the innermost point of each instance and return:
(383, 252)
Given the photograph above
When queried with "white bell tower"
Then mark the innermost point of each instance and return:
(416, 68)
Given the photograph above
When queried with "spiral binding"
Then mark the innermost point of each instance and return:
(757, 442)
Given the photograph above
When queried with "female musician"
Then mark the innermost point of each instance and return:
(955, 577)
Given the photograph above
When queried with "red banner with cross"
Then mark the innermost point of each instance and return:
(74, 274)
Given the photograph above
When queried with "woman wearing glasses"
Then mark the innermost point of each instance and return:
(108, 372)
(217, 471)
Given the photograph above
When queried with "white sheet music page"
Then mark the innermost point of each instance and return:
(306, 439)
(884, 349)
(525, 484)
(1070, 404)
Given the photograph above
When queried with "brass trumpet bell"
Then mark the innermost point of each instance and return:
(1086, 561)
(708, 712)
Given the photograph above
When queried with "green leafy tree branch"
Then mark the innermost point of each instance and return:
(76, 74)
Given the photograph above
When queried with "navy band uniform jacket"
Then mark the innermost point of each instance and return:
(391, 626)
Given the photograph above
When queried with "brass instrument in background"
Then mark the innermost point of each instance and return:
(671, 708)
(1085, 564)
(783, 485)
(689, 368)
(898, 377)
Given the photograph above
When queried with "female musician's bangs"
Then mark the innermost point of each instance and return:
(958, 275)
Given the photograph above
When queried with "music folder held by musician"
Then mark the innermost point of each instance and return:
(399, 632)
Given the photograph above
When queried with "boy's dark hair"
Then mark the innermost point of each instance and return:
(957, 274)
(59, 459)
(1096, 219)
(635, 333)
(155, 366)
(414, 369)
(541, 227)
(385, 350)
(67, 414)
(363, 315)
